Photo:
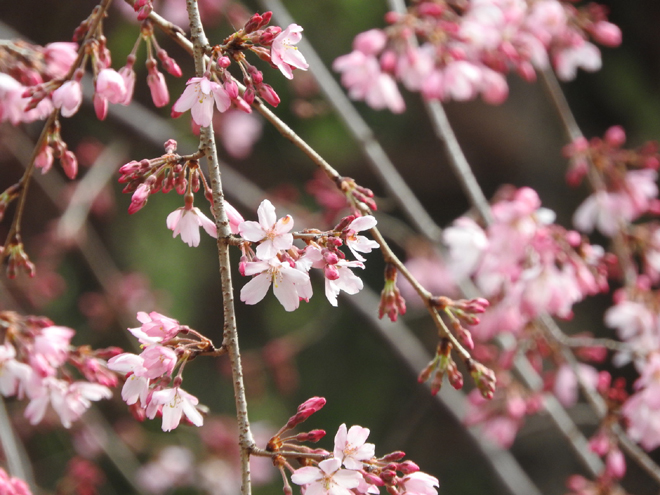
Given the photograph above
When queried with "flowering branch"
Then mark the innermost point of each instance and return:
(230, 334)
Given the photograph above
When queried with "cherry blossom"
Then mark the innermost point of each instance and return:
(136, 385)
(419, 483)
(68, 98)
(359, 243)
(69, 400)
(350, 447)
(345, 280)
(327, 479)
(187, 221)
(272, 234)
(155, 328)
(288, 283)
(110, 85)
(198, 97)
(286, 56)
(175, 403)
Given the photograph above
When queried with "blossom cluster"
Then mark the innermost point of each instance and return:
(352, 467)
(451, 52)
(524, 262)
(217, 86)
(278, 262)
(627, 185)
(33, 359)
(149, 373)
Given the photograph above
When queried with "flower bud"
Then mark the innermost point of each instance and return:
(69, 164)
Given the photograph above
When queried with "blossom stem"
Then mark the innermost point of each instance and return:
(230, 334)
(15, 228)
(308, 455)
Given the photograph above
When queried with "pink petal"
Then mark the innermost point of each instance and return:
(255, 290)
(266, 214)
(251, 231)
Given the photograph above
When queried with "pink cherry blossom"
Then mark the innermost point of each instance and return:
(286, 56)
(288, 283)
(198, 97)
(59, 57)
(68, 98)
(350, 447)
(327, 479)
(158, 361)
(359, 243)
(110, 85)
(187, 221)
(419, 483)
(155, 328)
(69, 400)
(346, 281)
(272, 234)
(14, 375)
(585, 56)
(136, 385)
(175, 403)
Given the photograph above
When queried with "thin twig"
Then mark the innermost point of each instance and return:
(230, 334)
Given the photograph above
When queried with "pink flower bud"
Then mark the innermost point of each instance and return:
(44, 159)
(615, 136)
(395, 456)
(408, 467)
(139, 198)
(159, 93)
(69, 164)
(169, 63)
(330, 272)
(370, 42)
(615, 464)
(268, 94)
(312, 436)
(100, 106)
(606, 33)
(315, 404)
(224, 62)
(170, 146)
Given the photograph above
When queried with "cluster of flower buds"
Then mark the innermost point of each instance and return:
(626, 186)
(442, 364)
(217, 85)
(279, 262)
(33, 358)
(392, 303)
(165, 173)
(149, 373)
(181, 173)
(155, 79)
(54, 147)
(448, 51)
(459, 312)
(28, 74)
(352, 467)
(17, 259)
(356, 195)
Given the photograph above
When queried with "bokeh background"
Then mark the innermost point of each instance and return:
(131, 263)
